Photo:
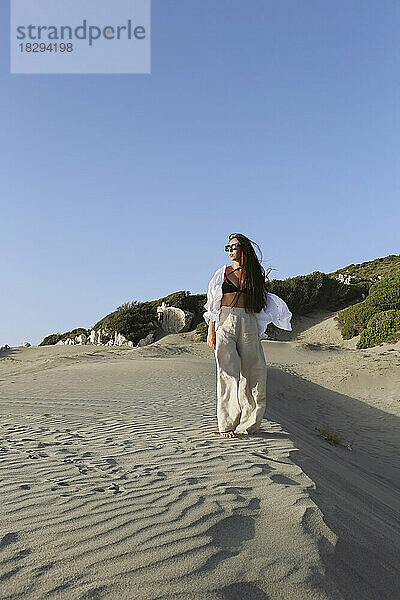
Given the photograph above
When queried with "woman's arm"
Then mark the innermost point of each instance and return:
(211, 335)
(213, 304)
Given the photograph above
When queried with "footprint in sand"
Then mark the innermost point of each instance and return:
(60, 483)
(239, 591)
(191, 480)
(8, 538)
(237, 490)
(33, 456)
(115, 488)
(39, 571)
(282, 479)
(265, 469)
(22, 554)
(228, 535)
(94, 594)
(44, 444)
(64, 450)
(231, 532)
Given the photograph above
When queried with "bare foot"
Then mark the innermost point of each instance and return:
(227, 434)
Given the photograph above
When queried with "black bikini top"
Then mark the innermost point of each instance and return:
(228, 287)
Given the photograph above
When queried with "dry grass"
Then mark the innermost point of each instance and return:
(332, 437)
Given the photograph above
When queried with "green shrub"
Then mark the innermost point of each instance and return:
(384, 326)
(202, 331)
(135, 319)
(195, 304)
(56, 337)
(51, 339)
(354, 319)
(305, 293)
(384, 295)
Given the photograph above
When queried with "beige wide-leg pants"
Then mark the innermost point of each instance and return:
(241, 372)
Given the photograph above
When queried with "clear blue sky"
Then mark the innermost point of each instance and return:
(275, 118)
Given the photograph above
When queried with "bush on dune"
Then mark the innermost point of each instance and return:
(384, 297)
(202, 331)
(305, 293)
(382, 327)
(56, 337)
(135, 320)
(353, 319)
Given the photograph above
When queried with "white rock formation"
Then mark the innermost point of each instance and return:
(81, 339)
(119, 339)
(160, 311)
(5, 347)
(149, 339)
(347, 279)
(24, 345)
(102, 336)
(172, 319)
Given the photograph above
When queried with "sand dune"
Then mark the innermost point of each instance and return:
(116, 484)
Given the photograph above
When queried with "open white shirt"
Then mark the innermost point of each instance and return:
(276, 311)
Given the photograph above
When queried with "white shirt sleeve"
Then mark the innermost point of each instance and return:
(276, 312)
(214, 296)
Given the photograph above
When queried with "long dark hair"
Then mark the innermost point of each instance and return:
(254, 282)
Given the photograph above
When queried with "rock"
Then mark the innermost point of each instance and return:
(5, 347)
(25, 345)
(149, 339)
(81, 339)
(160, 311)
(130, 344)
(102, 337)
(60, 343)
(348, 279)
(105, 338)
(173, 320)
(119, 339)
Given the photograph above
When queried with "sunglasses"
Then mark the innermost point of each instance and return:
(230, 247)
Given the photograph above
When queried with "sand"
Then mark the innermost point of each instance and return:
(115, 483)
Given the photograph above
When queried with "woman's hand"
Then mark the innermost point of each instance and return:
(211, 335)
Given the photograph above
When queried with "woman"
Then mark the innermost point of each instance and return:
(238, 310)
